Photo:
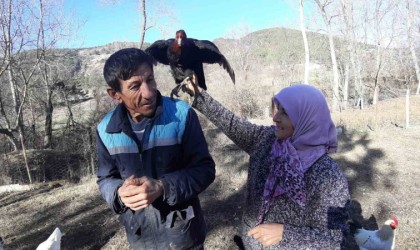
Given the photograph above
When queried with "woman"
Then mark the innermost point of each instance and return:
(296, 193)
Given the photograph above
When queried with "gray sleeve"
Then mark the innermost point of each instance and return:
(240, 131)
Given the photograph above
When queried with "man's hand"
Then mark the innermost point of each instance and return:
(138, 193)
(267, 234)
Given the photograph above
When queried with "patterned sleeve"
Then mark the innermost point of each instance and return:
(240, 131)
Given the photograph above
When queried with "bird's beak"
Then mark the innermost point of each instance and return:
(179, 40)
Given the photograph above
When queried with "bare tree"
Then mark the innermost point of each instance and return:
(305, 41)
(26, 36)
(240, 50)
(356, 23)
(239, 53)
(322, 6)
(347, 13)
(20, 29)
(157, 16)
(51, 69)
(383, 33)
(143, 29)
(410, 15)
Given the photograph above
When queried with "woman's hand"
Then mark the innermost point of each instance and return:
(267, 234)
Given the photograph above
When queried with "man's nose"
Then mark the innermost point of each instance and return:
(148, 90)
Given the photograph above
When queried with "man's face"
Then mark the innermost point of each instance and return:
(138, 94)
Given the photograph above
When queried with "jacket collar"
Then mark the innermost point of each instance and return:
(120, 122)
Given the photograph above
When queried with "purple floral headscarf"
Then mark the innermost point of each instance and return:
(314, 135)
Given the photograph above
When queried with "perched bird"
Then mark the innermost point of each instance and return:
(186, 56)
(53, 242)
(381, 239)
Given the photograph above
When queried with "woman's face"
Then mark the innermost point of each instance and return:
(284, 126)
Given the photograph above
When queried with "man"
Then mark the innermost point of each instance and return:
(153, 158)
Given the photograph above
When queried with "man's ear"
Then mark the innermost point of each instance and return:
(114, 94)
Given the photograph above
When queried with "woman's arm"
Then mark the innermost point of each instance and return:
(240, 131)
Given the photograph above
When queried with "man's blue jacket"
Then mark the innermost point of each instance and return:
(173, 150)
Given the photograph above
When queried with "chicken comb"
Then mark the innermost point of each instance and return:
(395, 220)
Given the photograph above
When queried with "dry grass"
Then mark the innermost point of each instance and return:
(381, 165)
(387, 113)
(29, 217)
(382, 168)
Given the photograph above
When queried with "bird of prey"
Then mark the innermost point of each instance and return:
(186, 56)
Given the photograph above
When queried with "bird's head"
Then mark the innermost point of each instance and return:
(180, 37)
(393, 223)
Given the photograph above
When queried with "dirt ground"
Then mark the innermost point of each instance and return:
(382, 167)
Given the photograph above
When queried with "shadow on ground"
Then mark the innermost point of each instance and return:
(89, 227)
(361, 174)
(92, 225)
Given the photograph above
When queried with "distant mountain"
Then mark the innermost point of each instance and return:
(277, 53)
(275, 45)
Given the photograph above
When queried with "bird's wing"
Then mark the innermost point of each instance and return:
(53, 242)
(46, 245)
(209, 53)
(364, 237)
(158, 50)
(367, 239)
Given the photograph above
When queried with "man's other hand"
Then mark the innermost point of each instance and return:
(137, 193)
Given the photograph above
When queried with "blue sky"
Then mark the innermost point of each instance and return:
(201, 19)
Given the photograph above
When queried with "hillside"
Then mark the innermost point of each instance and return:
(268, 46)
(264, 58)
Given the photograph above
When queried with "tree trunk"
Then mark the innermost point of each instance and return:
(49, 108)
(378, 70)
(22, 141)
(348, 16)
(43, 68)
(336, 83)
(407, 108)
(12, 138)
(33, 122)
(19, 118)
(411, 44)
(346, 84)
(305, 43)
(70, 121)
(143, 28)
(90, 146)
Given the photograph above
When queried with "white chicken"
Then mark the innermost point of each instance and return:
(381, 239)
(53, 242)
